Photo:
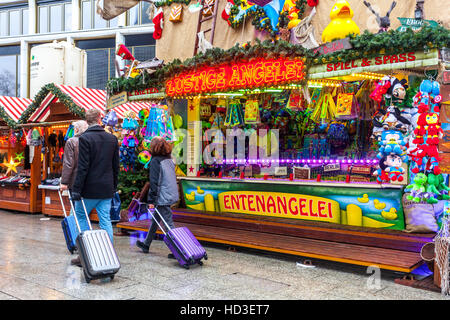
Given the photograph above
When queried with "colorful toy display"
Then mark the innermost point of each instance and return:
(425, 154)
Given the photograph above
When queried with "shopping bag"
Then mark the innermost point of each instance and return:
(115, 208)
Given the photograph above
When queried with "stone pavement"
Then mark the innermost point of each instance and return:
(35, 264)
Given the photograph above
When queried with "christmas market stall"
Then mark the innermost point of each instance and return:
(15, 179)
(49, 120)
(322, 152)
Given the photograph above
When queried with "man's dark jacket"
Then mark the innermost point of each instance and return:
(98, 164)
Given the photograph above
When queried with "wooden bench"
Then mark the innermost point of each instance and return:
(387, 249)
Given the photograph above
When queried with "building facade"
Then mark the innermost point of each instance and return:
(24, 24)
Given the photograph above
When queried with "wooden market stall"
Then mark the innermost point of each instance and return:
(296, 147)
(18, 190)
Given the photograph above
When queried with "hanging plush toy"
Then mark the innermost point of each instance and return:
(381, 89)
(129, 121)
(227, 10)
(390, 169)
(110, 119)
(158, 21)
(392, 141)
(417, 189)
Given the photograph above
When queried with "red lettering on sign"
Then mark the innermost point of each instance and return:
(402, 57)
(378, 61)
(250, 202)
(290, 206)
(243, 197)
(226, 200)
(281, 201)
(329, 67)
(260, 203)
(302, 204)
(330, 213)
(321, 205)
(411, 56)
(235, 202)
(271, 204)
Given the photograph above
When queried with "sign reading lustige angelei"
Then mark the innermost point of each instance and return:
(241, 75)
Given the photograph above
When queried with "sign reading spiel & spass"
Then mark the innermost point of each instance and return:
(377, 61)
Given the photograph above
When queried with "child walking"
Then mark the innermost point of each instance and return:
(163, 191)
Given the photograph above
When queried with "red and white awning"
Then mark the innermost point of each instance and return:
(86, 99)
(14, 107)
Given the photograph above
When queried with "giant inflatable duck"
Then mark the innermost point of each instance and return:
(341, 24)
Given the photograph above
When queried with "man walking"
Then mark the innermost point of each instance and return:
(97, 174)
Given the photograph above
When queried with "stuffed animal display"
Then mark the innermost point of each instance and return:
(425, 154)
(391, 128)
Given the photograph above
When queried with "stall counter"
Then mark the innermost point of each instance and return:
(357, 204)
(51, 203)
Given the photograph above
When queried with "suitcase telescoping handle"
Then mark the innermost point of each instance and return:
(75, 214)
(151, 211)
(71, 206)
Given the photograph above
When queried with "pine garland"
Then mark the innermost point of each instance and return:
(164, 3)
(366, 45)
(40, 96)
(5, 117)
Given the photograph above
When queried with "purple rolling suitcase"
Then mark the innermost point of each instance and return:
(183, 244)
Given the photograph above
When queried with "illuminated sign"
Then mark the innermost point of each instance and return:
(377, 61)
(276, 204)
(241, 75)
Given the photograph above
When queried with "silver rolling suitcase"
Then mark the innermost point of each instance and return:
(98, 257)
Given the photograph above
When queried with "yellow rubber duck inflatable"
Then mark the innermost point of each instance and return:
(364, 199)
(389, 215)
(200, 191)
(379, 205)
(341, 24)
(191, 196)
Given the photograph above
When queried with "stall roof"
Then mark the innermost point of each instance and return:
(86, 99)
(13, 107)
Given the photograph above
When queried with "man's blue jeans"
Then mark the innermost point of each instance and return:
(103, 207)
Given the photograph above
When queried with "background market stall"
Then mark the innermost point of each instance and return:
(18, 185)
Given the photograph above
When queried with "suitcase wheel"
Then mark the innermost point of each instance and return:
(112, 277)
(186, 266)
(71, 251)
(86, 277)
(206, 256)
(200, 263)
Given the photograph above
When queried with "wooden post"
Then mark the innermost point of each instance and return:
(35, 180)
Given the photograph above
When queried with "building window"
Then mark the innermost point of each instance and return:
(139, 14)
(55, 17)
(91, 20)
(100, 57)
(10, 71)
(13, 22)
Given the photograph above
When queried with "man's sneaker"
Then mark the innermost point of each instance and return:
(76, 262)
(142, 246)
